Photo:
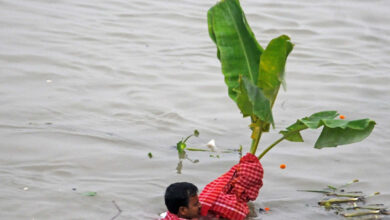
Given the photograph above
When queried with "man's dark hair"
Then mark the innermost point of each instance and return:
(178, 194)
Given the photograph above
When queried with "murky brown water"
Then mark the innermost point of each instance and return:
(88, 88)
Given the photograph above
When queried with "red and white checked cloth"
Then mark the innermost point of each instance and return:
(227, 196)
(171, 216)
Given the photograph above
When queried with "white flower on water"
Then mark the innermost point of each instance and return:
(212, 145)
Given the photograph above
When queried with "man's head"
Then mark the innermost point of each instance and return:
(182, 199)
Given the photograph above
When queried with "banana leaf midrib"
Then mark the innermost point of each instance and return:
(242, 44)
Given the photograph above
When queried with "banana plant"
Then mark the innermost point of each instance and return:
(254, 76)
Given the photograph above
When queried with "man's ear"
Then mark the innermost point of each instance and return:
(183, 211)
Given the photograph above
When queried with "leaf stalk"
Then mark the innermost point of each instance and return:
(256, 135)
(270, 147)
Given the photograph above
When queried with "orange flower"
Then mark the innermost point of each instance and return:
(342, 116)
(283, 166)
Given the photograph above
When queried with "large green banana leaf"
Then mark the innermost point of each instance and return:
(251, 101)
(241, 55)
(335, 131)
(237, 48)
(272, 64)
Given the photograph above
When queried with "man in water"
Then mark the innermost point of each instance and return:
(182, 201)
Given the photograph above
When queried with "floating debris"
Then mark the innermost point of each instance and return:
(150, 155)
(265, 209)
(349, 204)
(361, 213)
(25, 188)
(365, 207)
(338, 200)
(282, 166)
(90, 193)
(196, 133)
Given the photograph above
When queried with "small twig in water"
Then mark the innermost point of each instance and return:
(339, 200)
(119, 210)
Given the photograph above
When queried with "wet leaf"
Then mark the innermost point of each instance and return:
(332, 187)
(90, 193)
(196, 133)
(150, 155)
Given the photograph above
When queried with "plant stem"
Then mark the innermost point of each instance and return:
(185, 140)
(271, 146)
(354, 214)
(343, 195)
(196, 149)
(255, 140)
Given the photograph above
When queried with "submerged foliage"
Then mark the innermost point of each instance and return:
(254, 75)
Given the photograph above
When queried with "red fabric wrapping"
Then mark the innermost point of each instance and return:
(171, 216)
(227, 196)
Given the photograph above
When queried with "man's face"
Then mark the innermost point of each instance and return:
(193, 209)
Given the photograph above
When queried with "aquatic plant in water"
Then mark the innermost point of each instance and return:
(254, 75)
(349, 204)
(181, 146)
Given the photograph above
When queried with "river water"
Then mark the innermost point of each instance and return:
(89, 88)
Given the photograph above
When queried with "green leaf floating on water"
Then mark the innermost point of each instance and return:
(237, 48)
(90, 193)
(335, 131)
